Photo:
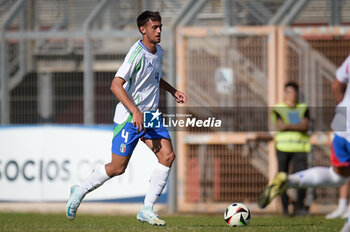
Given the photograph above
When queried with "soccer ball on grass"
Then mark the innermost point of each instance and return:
(237, 214)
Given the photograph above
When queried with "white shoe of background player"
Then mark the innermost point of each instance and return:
(346, 214)
(339, 212)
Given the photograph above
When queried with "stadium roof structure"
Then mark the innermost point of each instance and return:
(120, 14)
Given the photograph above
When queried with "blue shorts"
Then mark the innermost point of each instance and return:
(125, 137)
(340, 155)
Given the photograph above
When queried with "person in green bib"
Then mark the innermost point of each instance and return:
(292, 141)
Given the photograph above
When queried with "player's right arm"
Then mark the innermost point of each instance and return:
(338, 90)
(124, 75)
(341, 80)
(120, 93)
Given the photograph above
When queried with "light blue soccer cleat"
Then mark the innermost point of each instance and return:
(73, 202)
(146, 214)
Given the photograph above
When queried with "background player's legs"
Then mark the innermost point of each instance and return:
(321, 176)
(283, 166)
(343, 199)
(343, 195)
(335, 176)
(316, 177)
(165, 154)
(299, 161)
(312, 177)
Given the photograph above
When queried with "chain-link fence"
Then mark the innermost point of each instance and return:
(248, 67)
(49, 49)
(228, 69)
(59, 57)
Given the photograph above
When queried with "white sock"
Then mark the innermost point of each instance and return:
(316, 177)
(157, 183)
(95, 180)
(342, 203)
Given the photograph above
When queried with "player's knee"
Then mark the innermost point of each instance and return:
(342, 171)
(115, 170)
(337, 178)
(172, 157)
(118, 171)
(167, 159)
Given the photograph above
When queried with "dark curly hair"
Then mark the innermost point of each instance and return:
(147, 15)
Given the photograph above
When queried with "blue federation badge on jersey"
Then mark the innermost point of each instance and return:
(294, 117)
(151, 119)
(122, 148)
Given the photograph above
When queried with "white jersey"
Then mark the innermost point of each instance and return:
(343, 108)
(142, 72)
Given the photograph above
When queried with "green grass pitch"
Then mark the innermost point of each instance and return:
(216, 223)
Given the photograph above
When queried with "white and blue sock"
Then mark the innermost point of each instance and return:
(316, 177)
(95, 180)
(342, 203)
(157, 183)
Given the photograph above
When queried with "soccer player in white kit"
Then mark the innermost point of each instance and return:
(136, 85)
(339, 173)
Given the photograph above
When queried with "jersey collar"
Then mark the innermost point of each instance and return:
(142, 45)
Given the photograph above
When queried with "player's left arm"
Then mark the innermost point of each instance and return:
(179, 96)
